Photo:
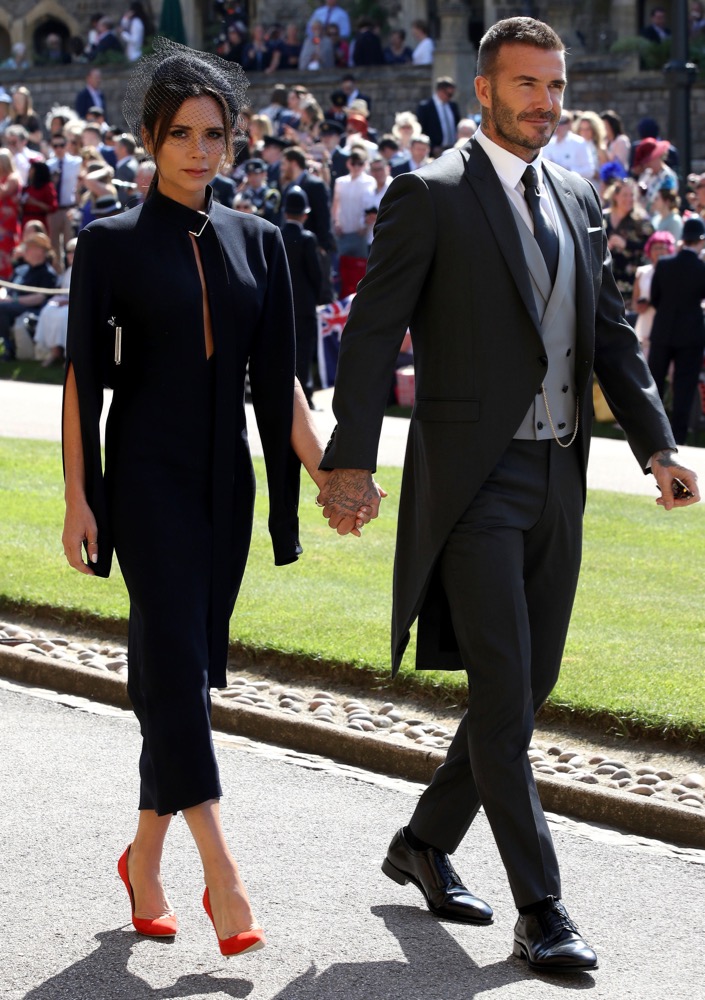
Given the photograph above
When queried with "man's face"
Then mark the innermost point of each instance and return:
(93, 79)
(658, 18)
(289, 170)
(255, 179)
(90, 137)
(419, 150)
(446, 93)
(522, 101)
(379, 171)
(58, 146)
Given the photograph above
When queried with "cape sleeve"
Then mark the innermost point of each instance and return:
(89, 350)
(272, 372)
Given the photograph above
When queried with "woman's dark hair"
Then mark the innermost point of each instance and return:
(614, 122)
(161, 83)
(39, 174)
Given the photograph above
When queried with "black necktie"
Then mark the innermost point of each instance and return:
(545, 234)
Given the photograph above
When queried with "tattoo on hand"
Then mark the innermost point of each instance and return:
(348, 492)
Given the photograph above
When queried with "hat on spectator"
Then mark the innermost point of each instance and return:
(647, 149)
(358, 123)
(330, 128)
(255, 166)
(693, 230)
(359, 107)
(39, 240)
(296, 202)
(405, 119)
(276, 140)
(107, 204)
(660, 236)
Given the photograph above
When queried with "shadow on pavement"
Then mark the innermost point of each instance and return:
(434, 965)
(104, 974)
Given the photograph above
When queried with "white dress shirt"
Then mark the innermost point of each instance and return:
(510, 169)
(423, 53)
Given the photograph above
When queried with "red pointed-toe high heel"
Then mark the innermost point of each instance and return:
(160, 926)
(249, 940)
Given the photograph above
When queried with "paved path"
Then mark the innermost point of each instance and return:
(34, 411)
(310, 836)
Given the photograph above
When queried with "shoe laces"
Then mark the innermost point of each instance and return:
(446, 868)
(555, 921)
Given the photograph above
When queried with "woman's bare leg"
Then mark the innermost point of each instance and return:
(143, 866)
(229, 901)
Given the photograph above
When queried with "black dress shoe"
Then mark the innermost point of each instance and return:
(432, 872)
(550, 941)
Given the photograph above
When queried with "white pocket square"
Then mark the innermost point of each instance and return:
(594, 229)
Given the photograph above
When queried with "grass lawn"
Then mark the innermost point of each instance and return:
(634, 653)
(31, 371)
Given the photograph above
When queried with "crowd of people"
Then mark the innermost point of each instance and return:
(328, 40)
(75, 166)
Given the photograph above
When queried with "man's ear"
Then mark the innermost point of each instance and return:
(483, 91)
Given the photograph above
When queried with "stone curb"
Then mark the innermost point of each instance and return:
(653, 819)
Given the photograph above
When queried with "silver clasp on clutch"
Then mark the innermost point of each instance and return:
(118, 340)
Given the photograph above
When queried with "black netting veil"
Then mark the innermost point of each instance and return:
(163, 80)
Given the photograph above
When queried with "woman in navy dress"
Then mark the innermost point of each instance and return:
(170, 303)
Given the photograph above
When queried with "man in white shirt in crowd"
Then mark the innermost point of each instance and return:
(330, 13)
(352, 195)
(569, 150)
(64, 168)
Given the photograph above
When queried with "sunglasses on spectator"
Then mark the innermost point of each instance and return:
(58, 145)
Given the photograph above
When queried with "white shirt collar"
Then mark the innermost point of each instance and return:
(509, 168)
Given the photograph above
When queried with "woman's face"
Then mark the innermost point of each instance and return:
(624, 199)
(19, 102)
(192, 152)
(658, 250)
(585, 130)
(609, 130)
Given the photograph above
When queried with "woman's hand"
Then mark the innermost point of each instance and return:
(79, 526)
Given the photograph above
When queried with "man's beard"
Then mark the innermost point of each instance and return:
(505, 123)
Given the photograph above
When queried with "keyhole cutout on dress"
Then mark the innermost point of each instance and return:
(207, 327)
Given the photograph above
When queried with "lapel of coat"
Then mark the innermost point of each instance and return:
(488, 189)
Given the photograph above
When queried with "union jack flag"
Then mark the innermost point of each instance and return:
(331, 323)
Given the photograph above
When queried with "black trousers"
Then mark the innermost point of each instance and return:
(510, 570)
(687, 364)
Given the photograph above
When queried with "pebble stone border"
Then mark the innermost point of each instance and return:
(387, 720)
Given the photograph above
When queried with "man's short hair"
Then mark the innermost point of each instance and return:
(128, 141)
(515, 31)
(297, 155)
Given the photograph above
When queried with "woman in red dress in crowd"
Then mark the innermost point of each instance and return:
(10, 187)
(39, 198)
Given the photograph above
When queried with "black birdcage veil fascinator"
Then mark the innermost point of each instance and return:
(161, 82)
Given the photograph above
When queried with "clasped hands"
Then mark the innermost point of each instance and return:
(350, 498)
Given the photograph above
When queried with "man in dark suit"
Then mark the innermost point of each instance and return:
(497, 263)
(125, 166)
(678, 332)
(439, 116)
(293, 173)
(91, 95)
(301, 248)
(657, 30)
(349, 87)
